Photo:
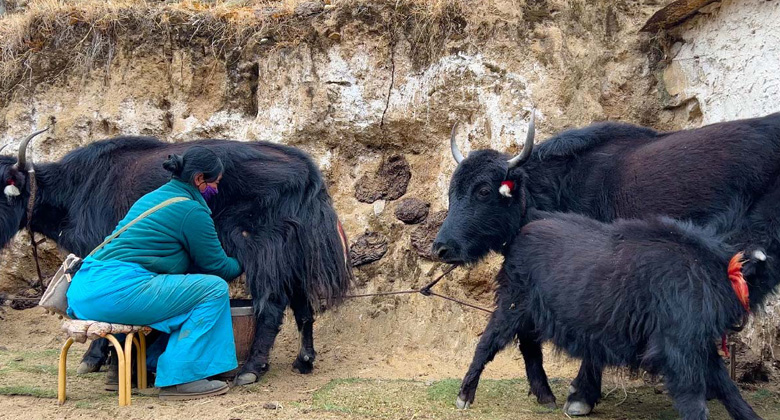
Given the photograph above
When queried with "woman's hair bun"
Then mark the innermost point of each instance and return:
(174, 164)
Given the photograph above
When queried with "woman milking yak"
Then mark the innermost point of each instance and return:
(147, 276)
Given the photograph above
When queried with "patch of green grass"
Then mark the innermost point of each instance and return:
(763, 394)
(32, 368)
(443, 390)
(667, 414)
(31, 361)
(500, 399)
(31, 391)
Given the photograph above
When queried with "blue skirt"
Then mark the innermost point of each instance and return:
(193, 308)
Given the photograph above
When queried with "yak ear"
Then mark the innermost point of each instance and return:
(14, 182)
(518, 176)
(513, 183)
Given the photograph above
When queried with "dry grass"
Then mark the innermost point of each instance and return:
(50, 37)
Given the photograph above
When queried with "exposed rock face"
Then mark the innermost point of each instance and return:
(412, 210)
(368, 247)
(389, 182)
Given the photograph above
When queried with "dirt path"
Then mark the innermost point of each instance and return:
(353, 380)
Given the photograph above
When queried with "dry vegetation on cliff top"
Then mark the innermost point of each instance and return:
(46, 38)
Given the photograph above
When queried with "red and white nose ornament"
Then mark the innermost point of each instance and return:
(506, 188)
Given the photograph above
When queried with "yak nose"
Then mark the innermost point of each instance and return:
(442, 250)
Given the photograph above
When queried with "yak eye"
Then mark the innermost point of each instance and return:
(484, 192)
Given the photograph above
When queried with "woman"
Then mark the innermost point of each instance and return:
(139, 278)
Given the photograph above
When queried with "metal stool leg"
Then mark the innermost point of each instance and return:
(122, 370)
(62, 372)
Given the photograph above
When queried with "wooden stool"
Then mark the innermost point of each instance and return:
(82, 330)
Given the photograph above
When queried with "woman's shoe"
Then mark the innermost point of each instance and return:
(192, 390)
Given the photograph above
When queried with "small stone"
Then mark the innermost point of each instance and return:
(309, 8)
(272, 406)
(18, 359)
(335, 36)
(412, 211)
(379, 207)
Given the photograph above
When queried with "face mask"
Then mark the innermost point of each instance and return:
(209, 193)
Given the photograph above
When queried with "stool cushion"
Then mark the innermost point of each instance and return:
(81, 330)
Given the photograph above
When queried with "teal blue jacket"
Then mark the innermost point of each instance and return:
(180, 238)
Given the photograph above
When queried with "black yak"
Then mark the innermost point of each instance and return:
(722, 175)
(652, 293)
(273, 213)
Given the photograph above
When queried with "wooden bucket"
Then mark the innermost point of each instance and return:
(243, 327)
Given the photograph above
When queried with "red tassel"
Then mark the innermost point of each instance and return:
(724, 346)
(738, 282)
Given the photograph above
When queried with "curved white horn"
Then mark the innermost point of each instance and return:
(454, 146)
(21, 160)
(527, 147)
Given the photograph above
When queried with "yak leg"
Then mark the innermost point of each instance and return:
(585, 390)
(268, 324)
(534, 368)
(684, 375)
(722, 387)
(95, 357)
(304, 318)
(501, 329)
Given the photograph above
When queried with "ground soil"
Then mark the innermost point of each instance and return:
(352, 380)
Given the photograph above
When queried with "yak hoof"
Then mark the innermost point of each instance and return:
(245, 379)
(462, 405)
(577, 408)
(572, 390)
(304, 364)
(550, 405)
(85, 367)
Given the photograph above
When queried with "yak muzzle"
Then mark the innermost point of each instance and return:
(448, 253)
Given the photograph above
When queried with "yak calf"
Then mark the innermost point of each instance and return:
(652, 294)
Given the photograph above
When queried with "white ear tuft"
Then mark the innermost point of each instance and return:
(505, 191)
(11, 191)
(759, 255)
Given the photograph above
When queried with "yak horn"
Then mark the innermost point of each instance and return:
(527, 147)
(454, 146)
(21, 161)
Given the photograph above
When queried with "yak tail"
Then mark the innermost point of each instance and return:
(737, 278)
(323, 248)
(296, 251)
